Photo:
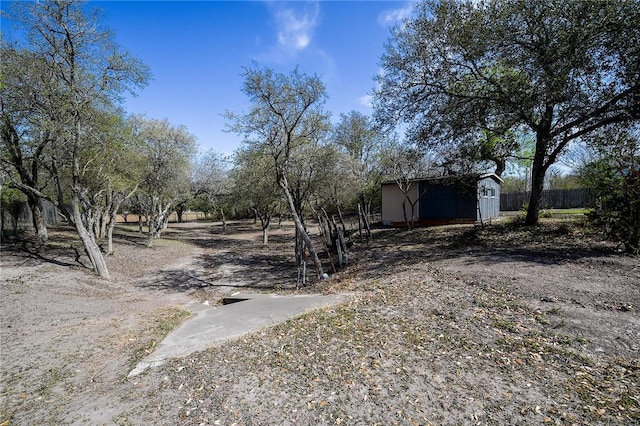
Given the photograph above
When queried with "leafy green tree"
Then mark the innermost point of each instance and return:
(613, 175)
(210, 184)
(286, 115)
(558, 69)
(486, 147)
(118, 176)
(87, 71)
(25, 134)
(255, 187)
(357, 137)
(167, 152)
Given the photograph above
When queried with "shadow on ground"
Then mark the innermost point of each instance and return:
(545, 244)
(233, 259)
(61, 250)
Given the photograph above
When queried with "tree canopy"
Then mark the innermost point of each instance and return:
(287, 116)
(611, 171)
(558, 69)
(167, 151)
(356, 136)
(74, 73)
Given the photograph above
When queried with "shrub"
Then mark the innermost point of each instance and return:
(615, 182)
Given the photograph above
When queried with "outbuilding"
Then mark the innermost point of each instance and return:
(442, 200)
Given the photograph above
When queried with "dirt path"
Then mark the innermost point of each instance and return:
(448, 326)
(68, 338)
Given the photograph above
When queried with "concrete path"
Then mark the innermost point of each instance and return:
(211, 325)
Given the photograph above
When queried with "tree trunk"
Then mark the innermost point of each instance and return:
(341, 243)
(360, 221)
(112, 224)
(501, 166)
(325, 226)
(38, 220)
(265, 231)
(300, 260)
(104, 221)
(404, 212)
(366, 210)
(265, 222)
(158, 222)
(413, 211)
(535, 200)
(150, 225)
(538, 171)
(151, 231)
(149, 237)
(90, 246)
(341, 217)
(1, 214)
(300, 227)
(113, 215)
(93, 222)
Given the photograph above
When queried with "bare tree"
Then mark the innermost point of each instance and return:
(337, 186)
(209, 184)
(287, 114)
(405, 165)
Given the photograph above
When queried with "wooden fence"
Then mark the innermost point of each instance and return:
(551, 199)
(24, 220)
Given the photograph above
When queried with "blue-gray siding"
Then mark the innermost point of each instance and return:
(488, 198)
(440, 201)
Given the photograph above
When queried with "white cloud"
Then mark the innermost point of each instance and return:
(392, 17)
(295, 26)
(366, 101)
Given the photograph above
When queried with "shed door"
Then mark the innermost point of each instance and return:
(437, 202)
(489, 198)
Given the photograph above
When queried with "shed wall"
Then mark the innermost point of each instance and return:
(445, 202)
(392, 199)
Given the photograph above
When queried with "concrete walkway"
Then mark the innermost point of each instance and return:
(211, 325)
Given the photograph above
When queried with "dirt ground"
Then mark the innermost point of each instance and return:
(446, 325)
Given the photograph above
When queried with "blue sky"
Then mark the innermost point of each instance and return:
(197, 50)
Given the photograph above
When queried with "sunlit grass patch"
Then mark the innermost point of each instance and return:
(163, 322)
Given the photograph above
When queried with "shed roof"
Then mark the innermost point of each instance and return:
(451, 178)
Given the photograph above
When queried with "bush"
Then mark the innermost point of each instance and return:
(546, 214)
(616, 188)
